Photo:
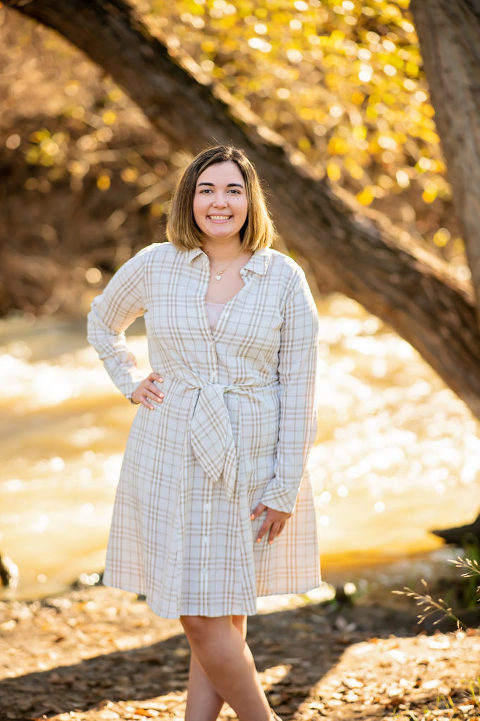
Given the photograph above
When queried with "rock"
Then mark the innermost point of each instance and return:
(459, 534)
(8, 573)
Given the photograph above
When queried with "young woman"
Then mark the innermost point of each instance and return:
(214, 507)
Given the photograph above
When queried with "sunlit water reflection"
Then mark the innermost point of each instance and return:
(396, 454)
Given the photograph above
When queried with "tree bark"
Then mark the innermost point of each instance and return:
(361, 256)
(449, 33)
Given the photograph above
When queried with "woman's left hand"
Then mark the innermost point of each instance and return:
(274, 521)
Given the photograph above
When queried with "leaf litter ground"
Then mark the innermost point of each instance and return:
(99, 653)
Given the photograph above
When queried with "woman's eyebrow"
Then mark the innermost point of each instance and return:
(229, 185)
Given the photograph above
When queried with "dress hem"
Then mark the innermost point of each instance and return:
(235, 612)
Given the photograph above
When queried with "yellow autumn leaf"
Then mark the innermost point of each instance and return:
(337, 145)
(441, 237)
(304, 144)
(208, 46)
(366, 196)
(156, 209)
(412, 68)
(109, 117)
(333, 171)
(129, 175)
(103, 181)
(357, 97)
(430, 192)
(359, 132)
(355, 170)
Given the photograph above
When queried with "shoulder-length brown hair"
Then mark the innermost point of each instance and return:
(257, 231)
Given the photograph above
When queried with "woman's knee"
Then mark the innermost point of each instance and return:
(240, 623)
(199, 628)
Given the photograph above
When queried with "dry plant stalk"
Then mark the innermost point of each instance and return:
(430, 605)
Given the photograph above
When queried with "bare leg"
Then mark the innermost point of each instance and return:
(203, 702)
(227, 661)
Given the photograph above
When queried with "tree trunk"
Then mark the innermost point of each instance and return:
(449, 32)
(412, 291)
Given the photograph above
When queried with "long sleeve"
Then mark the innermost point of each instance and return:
(297, 372)
(111, 314)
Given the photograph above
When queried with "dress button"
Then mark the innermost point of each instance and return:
(208, 506)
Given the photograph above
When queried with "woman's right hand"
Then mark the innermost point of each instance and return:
(147, 391)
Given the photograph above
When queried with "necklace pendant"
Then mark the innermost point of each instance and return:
(218, 276)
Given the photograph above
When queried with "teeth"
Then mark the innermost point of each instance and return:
(219, 217)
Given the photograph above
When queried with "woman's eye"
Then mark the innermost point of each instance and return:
(234, 191)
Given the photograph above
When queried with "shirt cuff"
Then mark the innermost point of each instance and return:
(280, 498)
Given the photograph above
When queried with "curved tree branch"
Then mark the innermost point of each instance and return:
(412, 291)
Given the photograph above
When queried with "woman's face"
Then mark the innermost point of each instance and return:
(220, 203)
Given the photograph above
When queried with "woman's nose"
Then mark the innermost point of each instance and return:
(219, 200)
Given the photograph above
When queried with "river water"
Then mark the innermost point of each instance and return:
(396, 453)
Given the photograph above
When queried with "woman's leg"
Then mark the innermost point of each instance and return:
(203, 702)
(227, 661)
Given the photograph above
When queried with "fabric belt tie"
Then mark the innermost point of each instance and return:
(211, 435)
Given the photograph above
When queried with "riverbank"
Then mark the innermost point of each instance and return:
(99, 653)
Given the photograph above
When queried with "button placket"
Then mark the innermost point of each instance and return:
(205, 547)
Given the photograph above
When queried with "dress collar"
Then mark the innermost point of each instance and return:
(258, 263)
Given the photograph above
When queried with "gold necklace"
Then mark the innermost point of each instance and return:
(218, 273)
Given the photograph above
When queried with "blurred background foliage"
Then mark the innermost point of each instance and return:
(89, 182)
(340, 80)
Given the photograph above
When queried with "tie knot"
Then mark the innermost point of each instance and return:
(219, 387)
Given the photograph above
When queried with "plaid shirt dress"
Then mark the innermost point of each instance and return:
(235, 427)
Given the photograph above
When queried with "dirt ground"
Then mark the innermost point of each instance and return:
(99, 653)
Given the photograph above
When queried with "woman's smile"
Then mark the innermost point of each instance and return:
(219, 218)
